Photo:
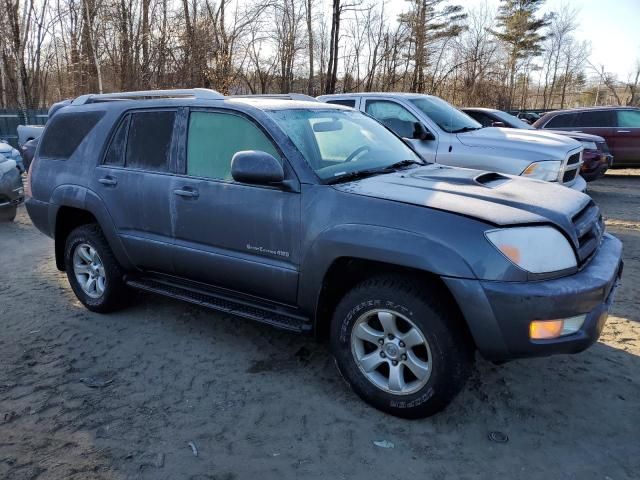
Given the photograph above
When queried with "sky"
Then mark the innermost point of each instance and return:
(612, 27)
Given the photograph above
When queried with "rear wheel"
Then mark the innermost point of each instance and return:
(93, 272)
(399, 348)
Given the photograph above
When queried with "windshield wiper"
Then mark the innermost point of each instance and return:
(404, 163)
(465, 129)
(343, 177)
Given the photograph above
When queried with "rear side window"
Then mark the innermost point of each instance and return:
(149, 140)
(214, 138)
(561, 121)
(345, 102)
(601, 118)
(115, 154)
(393, 116)
(66, 131)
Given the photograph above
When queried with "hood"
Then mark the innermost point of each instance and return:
(492, 197)
(545, 145)
(587, 137)
(6, 165)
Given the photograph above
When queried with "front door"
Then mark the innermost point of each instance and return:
(236, 236)
(134, 182)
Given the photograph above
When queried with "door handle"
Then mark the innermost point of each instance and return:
(624, 131)
(188, 193)
(109, 181)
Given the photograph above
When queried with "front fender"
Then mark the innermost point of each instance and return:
(375, 243)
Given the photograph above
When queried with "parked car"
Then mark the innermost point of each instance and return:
(443, 134)
(28, 150)
(596, 157)
(316, 218)
(10, 153)
(619, 126)
(11, 190)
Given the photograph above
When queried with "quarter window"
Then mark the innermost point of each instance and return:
(561, 121)
(214, 138)
(393, 116)
(66, 131)
(115, 154)
(629, 118)
(149, 140)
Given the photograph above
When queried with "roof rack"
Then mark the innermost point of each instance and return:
(282, 96)
(198, 93)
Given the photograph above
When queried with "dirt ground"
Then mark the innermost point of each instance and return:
(85, 396)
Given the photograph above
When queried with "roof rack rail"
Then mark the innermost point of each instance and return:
(283, 96)
(198, 93)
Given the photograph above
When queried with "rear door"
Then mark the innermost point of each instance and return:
(237, 236)
(135, 183)
(595, 122)
(401, 121)
(624, 141)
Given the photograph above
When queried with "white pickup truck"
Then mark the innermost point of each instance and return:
(443, 134)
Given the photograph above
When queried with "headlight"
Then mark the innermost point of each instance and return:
(589, 145)
(547, 171)
(534, 249)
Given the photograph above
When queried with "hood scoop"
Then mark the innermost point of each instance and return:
(491, 179)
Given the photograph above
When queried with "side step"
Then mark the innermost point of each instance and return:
(280, 317)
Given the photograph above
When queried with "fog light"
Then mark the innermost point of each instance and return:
(545, 329)
(550, 329)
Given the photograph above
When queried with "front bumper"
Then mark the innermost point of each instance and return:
(11, 189)
(595, 166)
(578, 184)
(499, 313)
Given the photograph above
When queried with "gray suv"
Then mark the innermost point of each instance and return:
(316, 218)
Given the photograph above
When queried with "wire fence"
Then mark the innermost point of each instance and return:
(10, 119)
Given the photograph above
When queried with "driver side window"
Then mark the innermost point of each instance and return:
(393, 116)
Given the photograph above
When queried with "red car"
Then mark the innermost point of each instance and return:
(619, 126)
(596, 157)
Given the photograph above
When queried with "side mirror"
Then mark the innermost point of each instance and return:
(421, 133)
(252, 166)
(498, 124)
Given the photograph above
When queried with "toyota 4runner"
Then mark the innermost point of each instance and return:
(316, 218)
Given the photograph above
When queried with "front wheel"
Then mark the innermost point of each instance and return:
(398, 347)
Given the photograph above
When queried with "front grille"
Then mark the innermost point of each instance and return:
(573, 159)
(569, 175)
(589, 228)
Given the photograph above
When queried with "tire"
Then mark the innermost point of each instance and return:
(442, 361)
(108, 292)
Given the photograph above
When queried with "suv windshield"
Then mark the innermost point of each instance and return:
(447, 117)
(339, 143)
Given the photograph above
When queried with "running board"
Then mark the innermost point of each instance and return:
(280, 317)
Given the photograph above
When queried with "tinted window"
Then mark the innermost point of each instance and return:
(345, 102)
(149, 140)
(596, 118)
(481, 117)
(561, 121)
(629, 118)
(66, 131)
(115, 154)
(393, 116)
(214, 138)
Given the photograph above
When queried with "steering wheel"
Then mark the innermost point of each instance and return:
(356, 152)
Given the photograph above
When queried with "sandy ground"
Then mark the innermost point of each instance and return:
(85, 396)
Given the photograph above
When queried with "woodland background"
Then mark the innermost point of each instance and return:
(513, 57)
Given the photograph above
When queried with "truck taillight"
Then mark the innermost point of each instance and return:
(27, 187)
